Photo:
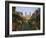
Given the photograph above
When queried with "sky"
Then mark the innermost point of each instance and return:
(26, 9)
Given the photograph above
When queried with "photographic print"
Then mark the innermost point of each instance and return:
(25, 19)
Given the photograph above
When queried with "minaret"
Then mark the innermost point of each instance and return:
(25, 13)
(29, 13)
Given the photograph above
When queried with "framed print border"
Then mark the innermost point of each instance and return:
(7, 18)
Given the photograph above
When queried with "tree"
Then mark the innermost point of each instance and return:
(17, 20)
(35, 19)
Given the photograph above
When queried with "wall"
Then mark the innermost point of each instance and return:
(2, 19)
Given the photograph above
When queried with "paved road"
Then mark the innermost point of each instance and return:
(25, 26)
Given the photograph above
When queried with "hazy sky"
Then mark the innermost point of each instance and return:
(26, 9)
